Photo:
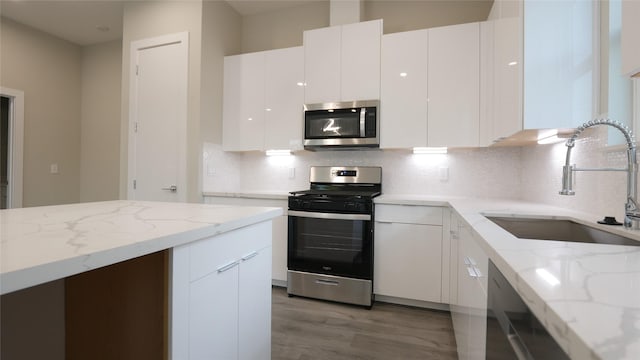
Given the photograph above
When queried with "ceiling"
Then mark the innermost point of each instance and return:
(88, 22)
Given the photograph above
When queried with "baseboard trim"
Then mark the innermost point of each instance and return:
(411, 302)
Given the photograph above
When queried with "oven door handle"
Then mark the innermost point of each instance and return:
(332, 216)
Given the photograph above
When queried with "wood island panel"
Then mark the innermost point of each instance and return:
(119, 311)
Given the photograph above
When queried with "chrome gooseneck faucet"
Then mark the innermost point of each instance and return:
(631, 206)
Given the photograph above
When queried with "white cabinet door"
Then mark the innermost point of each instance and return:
(558, 64)
(503, 94)
(342, 63)
(454, 85)
(629, 37)
(221, 296)
(469, 315)
(243, 103)
(403, 98)
(408, 260)
(284, 98)
(255, 305)
(213, 316)
(360, 61)
(322, 65)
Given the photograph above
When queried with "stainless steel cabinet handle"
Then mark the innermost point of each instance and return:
(228, 266)
(250, 256)
(327, 282)
(363, 120)
(171, 188)
(335, 216)
(472, 271)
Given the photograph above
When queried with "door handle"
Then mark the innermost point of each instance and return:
(171, 188)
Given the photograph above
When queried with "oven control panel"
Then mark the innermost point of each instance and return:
(351, 173)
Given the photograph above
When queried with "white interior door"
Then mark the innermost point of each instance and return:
(158, 117)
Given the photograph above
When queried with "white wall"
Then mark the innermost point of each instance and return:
(47, 69)
(531, 173)
(282, 28)
(100, 124)
(146, 19)
(221, 27)
(406, 15)
(484, 173)
(598, 193)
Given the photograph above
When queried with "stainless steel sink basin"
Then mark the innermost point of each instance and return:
(561, 230)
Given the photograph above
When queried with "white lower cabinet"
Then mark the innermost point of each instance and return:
(221, 296)
(279, 233)
(408, 252)
(408, 261)
(468, 296)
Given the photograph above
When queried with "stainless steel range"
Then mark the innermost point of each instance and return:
(330, 238)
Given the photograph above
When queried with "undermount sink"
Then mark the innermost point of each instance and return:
(559, 230)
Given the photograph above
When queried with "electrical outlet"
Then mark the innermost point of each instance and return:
(53, 168)
(444, 173)
(292, 173)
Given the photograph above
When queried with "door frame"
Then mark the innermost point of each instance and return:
(164, 40)
(16, 145)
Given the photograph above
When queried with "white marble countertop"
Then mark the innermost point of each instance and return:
(271, 195)
(594, 312)
(41, 244)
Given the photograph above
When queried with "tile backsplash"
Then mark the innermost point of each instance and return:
(531, 173)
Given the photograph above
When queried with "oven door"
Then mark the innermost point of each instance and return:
(330, 243)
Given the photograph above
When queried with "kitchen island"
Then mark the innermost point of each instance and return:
(43, 244)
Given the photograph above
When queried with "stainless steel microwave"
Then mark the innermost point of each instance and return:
(353, 124)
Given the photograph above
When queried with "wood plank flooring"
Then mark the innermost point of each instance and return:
(305, 329)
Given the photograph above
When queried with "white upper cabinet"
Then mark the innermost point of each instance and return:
(540, 61)
(284, 98)
(501, 98)
(559, 64)
(322, 64)
(342, 63)
(430, 93)
(243, 104)
(454, 86)
(629, 37)
(263, 99)
(361, 60)
(403, 90)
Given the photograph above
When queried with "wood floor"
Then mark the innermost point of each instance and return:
(304, 329)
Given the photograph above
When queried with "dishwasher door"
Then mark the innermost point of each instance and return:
(513, 331)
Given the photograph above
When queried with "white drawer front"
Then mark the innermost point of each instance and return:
(221, 252)
(409, 214)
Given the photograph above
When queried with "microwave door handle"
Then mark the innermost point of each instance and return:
(363, 118)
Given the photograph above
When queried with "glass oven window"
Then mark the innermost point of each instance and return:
(330, 246)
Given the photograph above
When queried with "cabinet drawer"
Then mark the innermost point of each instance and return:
(409, 214)
(220, 252)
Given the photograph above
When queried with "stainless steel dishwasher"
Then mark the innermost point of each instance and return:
(513, 331)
